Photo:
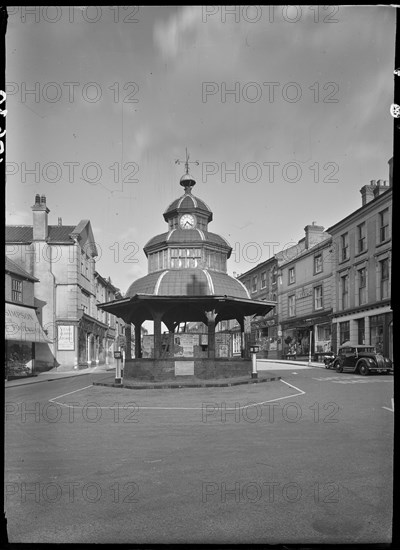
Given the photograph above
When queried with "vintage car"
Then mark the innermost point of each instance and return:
(361, 359)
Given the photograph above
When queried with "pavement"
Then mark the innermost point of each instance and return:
(57, 374)
(262, 365)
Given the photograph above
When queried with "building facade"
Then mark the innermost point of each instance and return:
(23, 330)
(62, 258)
(334, 286)
(361, 298)
(305, 296)
(262, 284)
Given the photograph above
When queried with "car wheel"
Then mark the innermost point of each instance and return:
(339, 367)
(363, 369)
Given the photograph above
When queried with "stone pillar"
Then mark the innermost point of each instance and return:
(242, 338)
(367, 329)
(138, 340)
(157, 316)
(211, 315)
(89, 351)
(128, 340)
(97, 347)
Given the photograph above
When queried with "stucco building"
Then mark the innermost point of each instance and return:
(362, 243)
(305, 295)
(62, 258)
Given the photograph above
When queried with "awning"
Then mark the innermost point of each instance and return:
(23, 325)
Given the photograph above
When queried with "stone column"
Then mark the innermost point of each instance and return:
(97, 347)
(138, 340)
(242, 338)
(367, 329)
(157, 316)
(128, 339)
(211, 315)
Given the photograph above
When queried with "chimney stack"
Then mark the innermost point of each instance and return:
(381, 187)
(390, 162)
(314, 234)
(40, 218)
(367, 192)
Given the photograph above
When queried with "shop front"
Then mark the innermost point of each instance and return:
(265, 335)
(22, 332)
(94, 347)
(307, 337)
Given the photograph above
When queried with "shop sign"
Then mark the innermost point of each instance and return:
(65, 337)
(304, 293)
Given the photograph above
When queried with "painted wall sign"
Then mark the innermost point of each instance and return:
(65, 337)
(184, 368)
(304, 293)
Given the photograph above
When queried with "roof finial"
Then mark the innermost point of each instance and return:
(187, 162)
(186, 180)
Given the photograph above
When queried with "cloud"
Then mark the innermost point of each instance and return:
(170, 36)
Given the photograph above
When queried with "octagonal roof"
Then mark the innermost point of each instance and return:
(188, 236)
(188, 282)
(187, 202)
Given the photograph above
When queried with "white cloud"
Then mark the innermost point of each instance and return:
(170, 36)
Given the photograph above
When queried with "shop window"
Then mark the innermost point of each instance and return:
(361, 330)
(376, 323)
(16, 290)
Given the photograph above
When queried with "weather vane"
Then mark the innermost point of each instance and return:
(187, 162)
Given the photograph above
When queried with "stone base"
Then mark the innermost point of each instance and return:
(203, 369)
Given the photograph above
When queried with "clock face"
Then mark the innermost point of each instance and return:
(187, 221)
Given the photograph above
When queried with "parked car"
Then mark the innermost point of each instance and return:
(361, 359)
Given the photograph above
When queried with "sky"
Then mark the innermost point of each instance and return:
(285, 109)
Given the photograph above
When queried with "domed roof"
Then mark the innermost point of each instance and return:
(182, 236)
(187, 201)
(188, 282)
(187, 181)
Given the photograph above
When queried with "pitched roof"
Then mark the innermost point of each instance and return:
(12, 267)
(60, 234)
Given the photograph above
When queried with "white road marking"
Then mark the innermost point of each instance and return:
(69, 393)
(53, 400)
(392, 409)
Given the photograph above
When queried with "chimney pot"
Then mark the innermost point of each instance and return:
(59, 221)
(37, 199)
(43, 199)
